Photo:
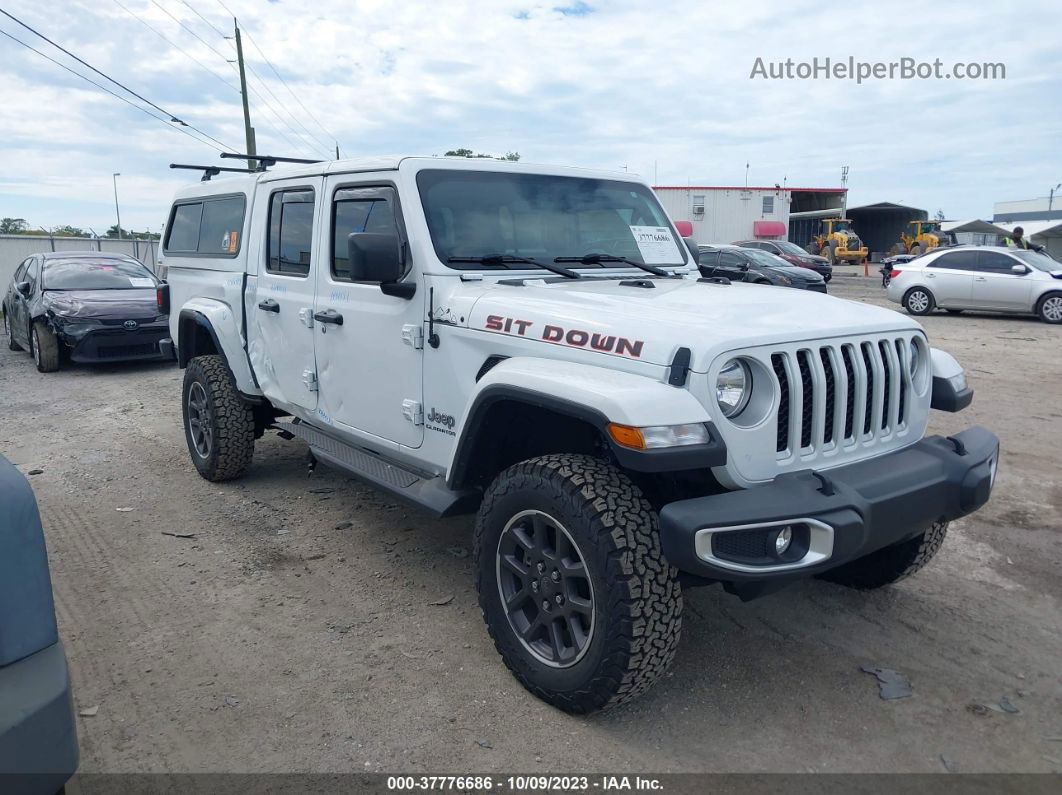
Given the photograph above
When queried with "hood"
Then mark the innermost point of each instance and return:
(795, 274)
(137, 304)
(650, 324)
(815, 259)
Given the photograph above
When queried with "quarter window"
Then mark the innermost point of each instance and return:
(357, 210)
(290, 232)
(210, 227)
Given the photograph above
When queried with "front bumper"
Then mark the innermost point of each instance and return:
(38, 740)
(116, 344)
(839, 514)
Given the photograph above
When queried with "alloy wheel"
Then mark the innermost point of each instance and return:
(1052, 309)
(545, 589)
(35, 344)
(200, 420)
(918, 301)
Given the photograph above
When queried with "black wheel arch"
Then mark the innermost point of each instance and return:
(196, 337)
(507, 424)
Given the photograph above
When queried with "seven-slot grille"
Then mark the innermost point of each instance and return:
(841, 393)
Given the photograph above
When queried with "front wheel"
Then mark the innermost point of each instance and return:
(1050, 309)
(573, 586)
(218, 424)
(891, 564)
(918, 301)
(45, 347)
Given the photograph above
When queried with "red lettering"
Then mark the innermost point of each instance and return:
(578, 338)
(599, 343)
(635, 347)
(494, 322)
(553, 334)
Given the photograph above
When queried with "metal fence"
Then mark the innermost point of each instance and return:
(15, 248)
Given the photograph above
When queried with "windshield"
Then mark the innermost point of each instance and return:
(1036, 259)
(766, 259)
(790, 248)
(842, 226)
(477, 214)
(86, 273)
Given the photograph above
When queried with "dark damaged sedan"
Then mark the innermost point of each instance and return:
(84, 307)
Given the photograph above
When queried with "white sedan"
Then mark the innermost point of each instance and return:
(989, 278)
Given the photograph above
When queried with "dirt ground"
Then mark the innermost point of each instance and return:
(312, 624)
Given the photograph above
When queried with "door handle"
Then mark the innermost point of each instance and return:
(329, 316)
(269, 305)
(980, 279)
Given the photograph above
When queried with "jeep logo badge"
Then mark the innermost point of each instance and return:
(442, 421)
(131, 325)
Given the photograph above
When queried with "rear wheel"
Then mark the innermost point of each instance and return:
(1050, 308)
(892, 563)
(574, 588)
(45, 346)
(918, 301)
(218, 424)
(11, 344)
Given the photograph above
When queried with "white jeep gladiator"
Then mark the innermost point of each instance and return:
(533, 345)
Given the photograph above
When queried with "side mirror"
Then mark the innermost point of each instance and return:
(377, 257)
(24, 288)
(1021, 270)
(744, 266)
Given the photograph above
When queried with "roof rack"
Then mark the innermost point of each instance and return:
(265, 161)
(212, 171)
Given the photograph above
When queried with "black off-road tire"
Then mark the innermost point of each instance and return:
(44, 346)
(11, 344)
(230, 420)
(636, 595)
(891, 564)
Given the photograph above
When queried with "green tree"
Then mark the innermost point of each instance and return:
(513, 156)
(12, 226)
(69, 231)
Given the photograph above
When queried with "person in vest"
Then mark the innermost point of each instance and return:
(1015, 240)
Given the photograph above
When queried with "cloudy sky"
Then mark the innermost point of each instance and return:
(661, 88)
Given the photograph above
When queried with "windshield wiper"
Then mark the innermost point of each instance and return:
(505, 259)
(597, 259)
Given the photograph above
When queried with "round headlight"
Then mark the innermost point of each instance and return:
(733, 387)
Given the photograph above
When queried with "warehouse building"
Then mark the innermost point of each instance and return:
(721, 214)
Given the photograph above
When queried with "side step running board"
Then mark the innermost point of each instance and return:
(423, 490)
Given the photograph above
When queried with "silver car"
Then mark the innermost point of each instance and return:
(989, 278)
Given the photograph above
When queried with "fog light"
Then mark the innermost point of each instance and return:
(782, 540)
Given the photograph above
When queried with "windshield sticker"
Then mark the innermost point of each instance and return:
(574, 338)
(656, 245)
(141, 281)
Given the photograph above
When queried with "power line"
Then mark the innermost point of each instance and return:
(167, 122)
(281, 79)
(173, 117)
(176, 46)
(224, 58)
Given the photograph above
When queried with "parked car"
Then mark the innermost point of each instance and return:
(990, 278)
(792, 253)
(38, 739)
(532, 346)
(85, 306)
(751, 265)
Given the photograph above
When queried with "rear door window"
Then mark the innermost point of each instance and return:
(956, 260)
(290, 232)
(183, 234)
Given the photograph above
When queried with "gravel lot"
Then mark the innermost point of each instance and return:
(313, 625)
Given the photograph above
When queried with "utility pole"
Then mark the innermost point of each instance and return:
(337, 150)
(844, 196)
(247, 128)
(114, 179)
